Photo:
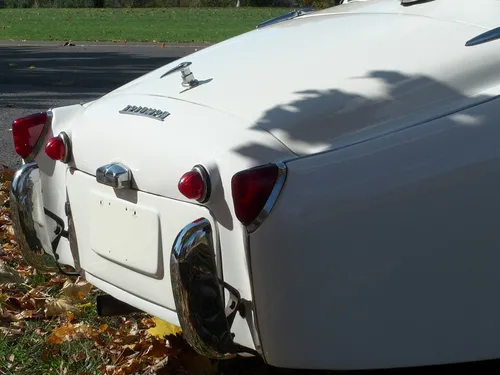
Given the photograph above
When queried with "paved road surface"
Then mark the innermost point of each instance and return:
(37, 76)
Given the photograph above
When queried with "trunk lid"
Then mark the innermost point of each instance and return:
(374, 67)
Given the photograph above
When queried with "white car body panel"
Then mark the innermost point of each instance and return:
(399, 253)
(381, 249)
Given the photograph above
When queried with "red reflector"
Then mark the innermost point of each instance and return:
(251, 190)
(192, 186)
(55, 148)
(26, 132)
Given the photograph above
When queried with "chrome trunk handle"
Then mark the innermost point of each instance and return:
(115, 175)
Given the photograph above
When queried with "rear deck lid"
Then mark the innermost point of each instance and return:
(337, 76)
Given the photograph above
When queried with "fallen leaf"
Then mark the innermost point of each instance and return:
(125, 340)
(131, 367)
(9, 275)
(60, 334)
(23, 315)
(158, 349)
(79, 289)
(3, 197)
(56, 307)
(163, 328)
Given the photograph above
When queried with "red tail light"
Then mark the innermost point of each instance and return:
(27, 133)
(195, 184)
(58, 148)
(255, 192)
(55, 148)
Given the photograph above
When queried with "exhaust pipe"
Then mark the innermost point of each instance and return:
(110, 306)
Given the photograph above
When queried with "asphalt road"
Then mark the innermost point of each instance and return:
(38, 76)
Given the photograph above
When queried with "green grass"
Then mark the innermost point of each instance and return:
(28, 354)
(139, 25)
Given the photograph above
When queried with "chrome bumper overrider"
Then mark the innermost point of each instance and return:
(198, 294)
(28, 219)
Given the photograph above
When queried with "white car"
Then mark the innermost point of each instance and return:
(323, 191)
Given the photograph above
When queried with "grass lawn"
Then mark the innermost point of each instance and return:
(139, 25)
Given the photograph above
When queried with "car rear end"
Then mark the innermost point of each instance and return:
(140, 206)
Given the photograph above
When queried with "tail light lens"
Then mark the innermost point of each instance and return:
(27, 133)
(195, 184)
(255, 192)
(59, 148)
(55, 148)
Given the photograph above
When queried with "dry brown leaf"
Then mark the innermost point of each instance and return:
(66, 332)
(6, 185)
(79, 289)
(57, 307)
(58, 279)
(6, 174)
(125, 340)
(158, 349)
(4, 196)
(26, 314)
(9, 275)
(131, 367)
(84, 330)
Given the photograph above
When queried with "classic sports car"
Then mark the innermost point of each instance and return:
(321, 191)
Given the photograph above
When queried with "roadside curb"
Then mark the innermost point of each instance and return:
(122, 44)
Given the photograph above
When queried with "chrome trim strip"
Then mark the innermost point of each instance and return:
(285, 17)
(488, 36)
(198, 294)
(38, 145)
(273, 198)
(67, 147)
(206, 181)
(116, 175)
(28, 219)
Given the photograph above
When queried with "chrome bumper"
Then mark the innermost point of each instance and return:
(28, 219)
(198, 292)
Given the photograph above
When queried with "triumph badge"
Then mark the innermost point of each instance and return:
(145, 111)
